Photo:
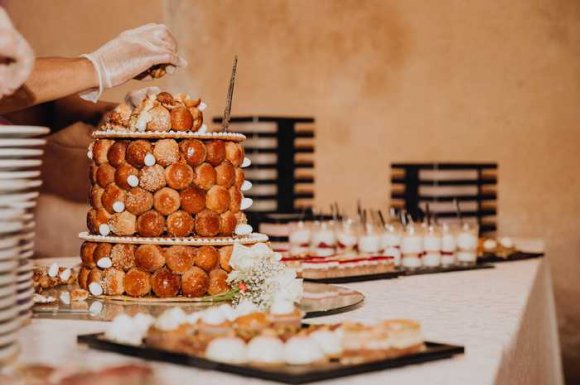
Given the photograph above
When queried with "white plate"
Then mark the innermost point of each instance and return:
(19, 184)
(26, 254)
(6, 302)
(29, 142)
(6, 214)
(8, 266)
(8, 279)
(22, 296)
(20, 153)
(10, 227)
(25, 285)
(12, 253)
(23, 205)
(7, 290)
(9, 353)
(25, 276)
(28, 245)
(7, 242)
(25, 266)
(8, 338)
(23, 131)
(9, 326)
(19, 174)
(13, 200)
(13, 164)
(8, 314)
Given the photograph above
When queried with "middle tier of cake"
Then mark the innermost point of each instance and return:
(167, 187)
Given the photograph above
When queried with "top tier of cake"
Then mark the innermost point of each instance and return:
(154, 174)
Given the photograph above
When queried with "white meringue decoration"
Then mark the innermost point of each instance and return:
(202, 106)
(266, 350)
(489, 244)
(65, 275)
(506, 242)
(143, 322)
(95, 289)
(330, 342)
(282, 306)
(104, 230)
(230, 350)
(246, 203)
(243, 229)
(246, 163)
(96, 307)
(118, 207)
(246, 185)
(105, 263)
(53, 270)
(302, 350)
(193, 318)
(262, 250)
(171, 319)
(126, 330)
(214, 316)
(149, 160)
(133, 181)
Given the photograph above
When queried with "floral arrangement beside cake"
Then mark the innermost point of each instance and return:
(166, 210)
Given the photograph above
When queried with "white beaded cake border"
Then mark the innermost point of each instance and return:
(232, 136)
(168, 241)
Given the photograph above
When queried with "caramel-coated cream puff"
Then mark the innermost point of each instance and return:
(150, 224)
(95, 196)
(105, 175)
(205, 176)
(235, 199)
(103, 250)
(83, 277)
(136, 152)
(116, 154)
(113, 199)
(137, 283)
(240, 177)
(225, 174)
(166, 99)
(181, 119)
(123, 256)
(137, 201)
(166, 152)
(93, 168)
(100, 149)
(179, 224)
(166, 201)
(160, 119)
(165, 284)
(193, 151)
(96, 218)
(179, 258)
(179, 176)
(152, 178)
(113, 282)
(207, 258)
(217, 199)
(192, 199)
(123, 224)
(225, 255)
(95, 275)
(197, 118)
(216, 152)
(218, 282)
(234, 153)
(194, 282)
(228, 223)
(207, 223)
(87, 252)
(126, 176)
(149, 257)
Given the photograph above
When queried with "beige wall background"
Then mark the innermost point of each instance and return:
(484, 80)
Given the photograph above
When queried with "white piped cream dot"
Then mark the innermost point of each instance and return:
(118, 207)
(133, 181)
(243, 229)
(104, 230)
(246, 163)
(202, 106)
(95, 289)
(65, 275)
(149, 160)
(53, 270)
(246, 203)
(246, 185)
(65, 297)
(96, 307)
(105, 263)
(202, 129)
(90, 154)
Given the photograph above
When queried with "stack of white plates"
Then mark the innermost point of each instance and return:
(20, 161)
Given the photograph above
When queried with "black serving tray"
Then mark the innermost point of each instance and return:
(517, 256)
(450, 269)
(286, 374)
(358, 278)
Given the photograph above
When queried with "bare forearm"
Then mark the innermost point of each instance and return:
(51, 79)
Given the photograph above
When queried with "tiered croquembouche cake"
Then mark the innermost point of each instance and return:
(166, 217)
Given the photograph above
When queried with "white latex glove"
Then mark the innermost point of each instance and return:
(132, 53)
(134, 98)
(16, 57)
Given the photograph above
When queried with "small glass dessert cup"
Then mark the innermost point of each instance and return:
(467, 240)
(323, 241)
(299, 239)
(346, 238)
(391, 243)
(369, 242)
(448, 246)
(432, 246)
(411, 248)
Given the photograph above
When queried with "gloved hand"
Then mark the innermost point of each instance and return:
(16, 57)
(134, 98)
(132, 53)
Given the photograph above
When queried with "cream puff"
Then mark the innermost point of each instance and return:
(116, 154)
(87, 252)
(137, 283)
(192, 200)
(83, 277)
(193, 151)
(234, 153)
(102, 250)
(179, 259)
(197, 118)
(179, 224)
(123, 256)
(98, 221)
(207, 258)
(100, 149)
(205, 176)
(126, 176)
(228, 222)
(225, 255)
(165, 284)
(166, 100)
(150, 224)
(181, 119)
(113, 282)
(166, 152)
(136, 152)
(137, 201)
(194, 282)
(225, 174)
(179, 176)
(239, 177)
(152, 178)
(166, 201)
(149, 257)
(95, 196)
(105, 175)
(95, 281)
(218, 282)
(93, 168)
(123, 224)
(216, 152)
(217, 199)
(235, 199)
(160, 119)
(207, 223)
(113, 199)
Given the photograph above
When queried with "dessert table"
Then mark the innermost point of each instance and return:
(504, 317)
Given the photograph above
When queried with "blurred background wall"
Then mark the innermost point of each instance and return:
(484, 80)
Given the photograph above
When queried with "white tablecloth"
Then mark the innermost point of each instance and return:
(505, 318)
